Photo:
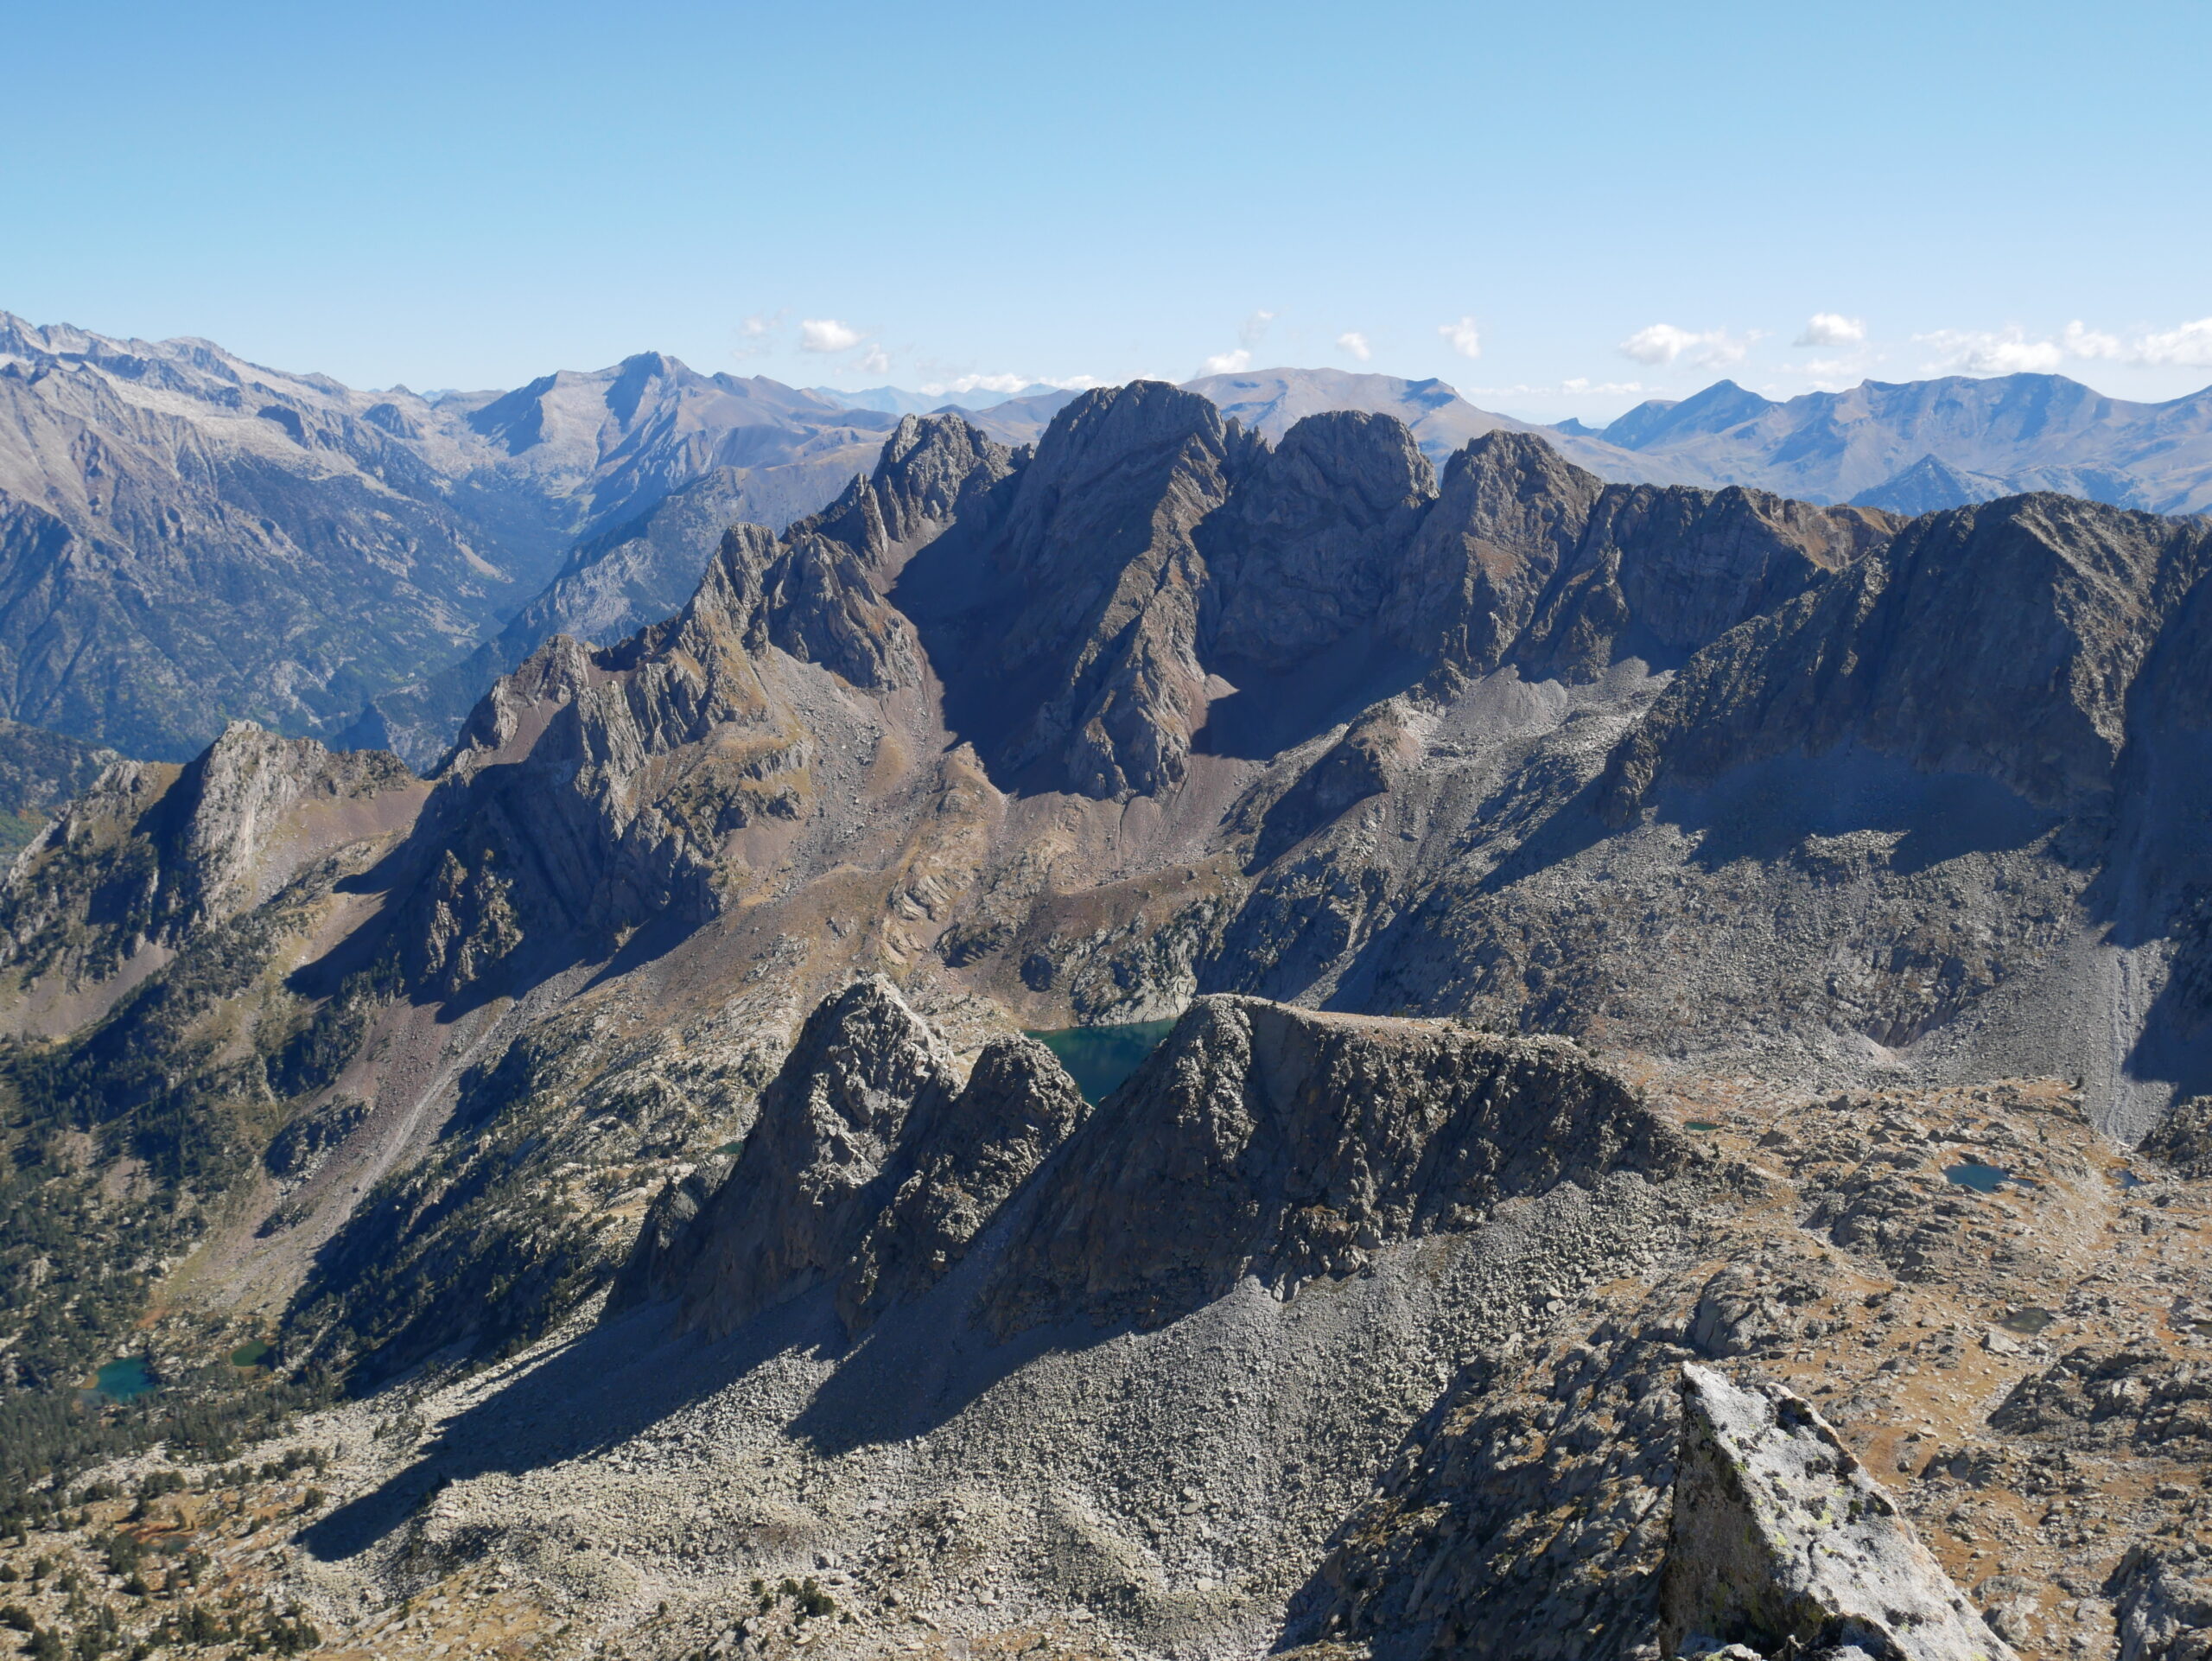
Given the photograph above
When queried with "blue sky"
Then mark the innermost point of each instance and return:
(1559, 209)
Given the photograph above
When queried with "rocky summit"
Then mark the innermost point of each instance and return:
(1663, 1103)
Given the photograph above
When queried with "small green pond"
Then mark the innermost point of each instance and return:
(257, 1352)
(1701, 1126)
(124, 1380)
(1099, 1058)
(2028, 1321)
(1982, 1178)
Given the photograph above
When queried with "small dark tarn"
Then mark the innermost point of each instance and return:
(2129, 1180)
(1099, 1058)
(1982, 1178)
(1701, 1125)
(729, 1148)
(258, 1352)
(122, 1381)
(2028, 1320)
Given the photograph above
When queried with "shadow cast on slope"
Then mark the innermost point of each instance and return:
(607, 1385)
(618, 1379)
(477, 828)
(1769, 810)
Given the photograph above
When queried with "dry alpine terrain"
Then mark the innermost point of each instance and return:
(1681, 1125)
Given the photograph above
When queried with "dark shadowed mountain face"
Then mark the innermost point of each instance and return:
(1875, 443)
(186, 538)
(1158, 582)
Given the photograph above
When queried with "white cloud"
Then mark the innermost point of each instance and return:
(2004, 351)
(875, 361)
(1254, 330)
(1664, 343)
(1581, 385)
(2010, 351)
(2081, 342)
(826, 334)
(1466, 340)
(1227, 363)
(1832, 328)
(1007, 384)
(1353, 341)
(754, 327)
(2190, 345)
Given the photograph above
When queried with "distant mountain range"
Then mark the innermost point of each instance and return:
(2005, 436)
(186, 537)
(1914, 447)
(893, 400)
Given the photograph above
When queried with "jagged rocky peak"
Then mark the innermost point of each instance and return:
(1511, 512)
(825, 596)
(1018, 1105)
(870, 1166)
(1781, 1544)
(2002, 640)
(1065, 624)
(623, 772)
(1151, 558)
(1528, 559)
(809, 1177)
(931, 465)
(1261, 1139)
(226, 807)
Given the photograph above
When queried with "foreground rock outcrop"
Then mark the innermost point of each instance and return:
(1782, 1543)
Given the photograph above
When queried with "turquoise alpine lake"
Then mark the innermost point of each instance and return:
(1099, 1058)
(124, 1380)
(1982, 1178)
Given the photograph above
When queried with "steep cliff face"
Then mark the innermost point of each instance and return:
(1150, 562)
(870, 1165)
(1529, 560)
(1306, 549)
(818, 1164)
(1062, 617)
(2000, 640)
(964, 1164)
